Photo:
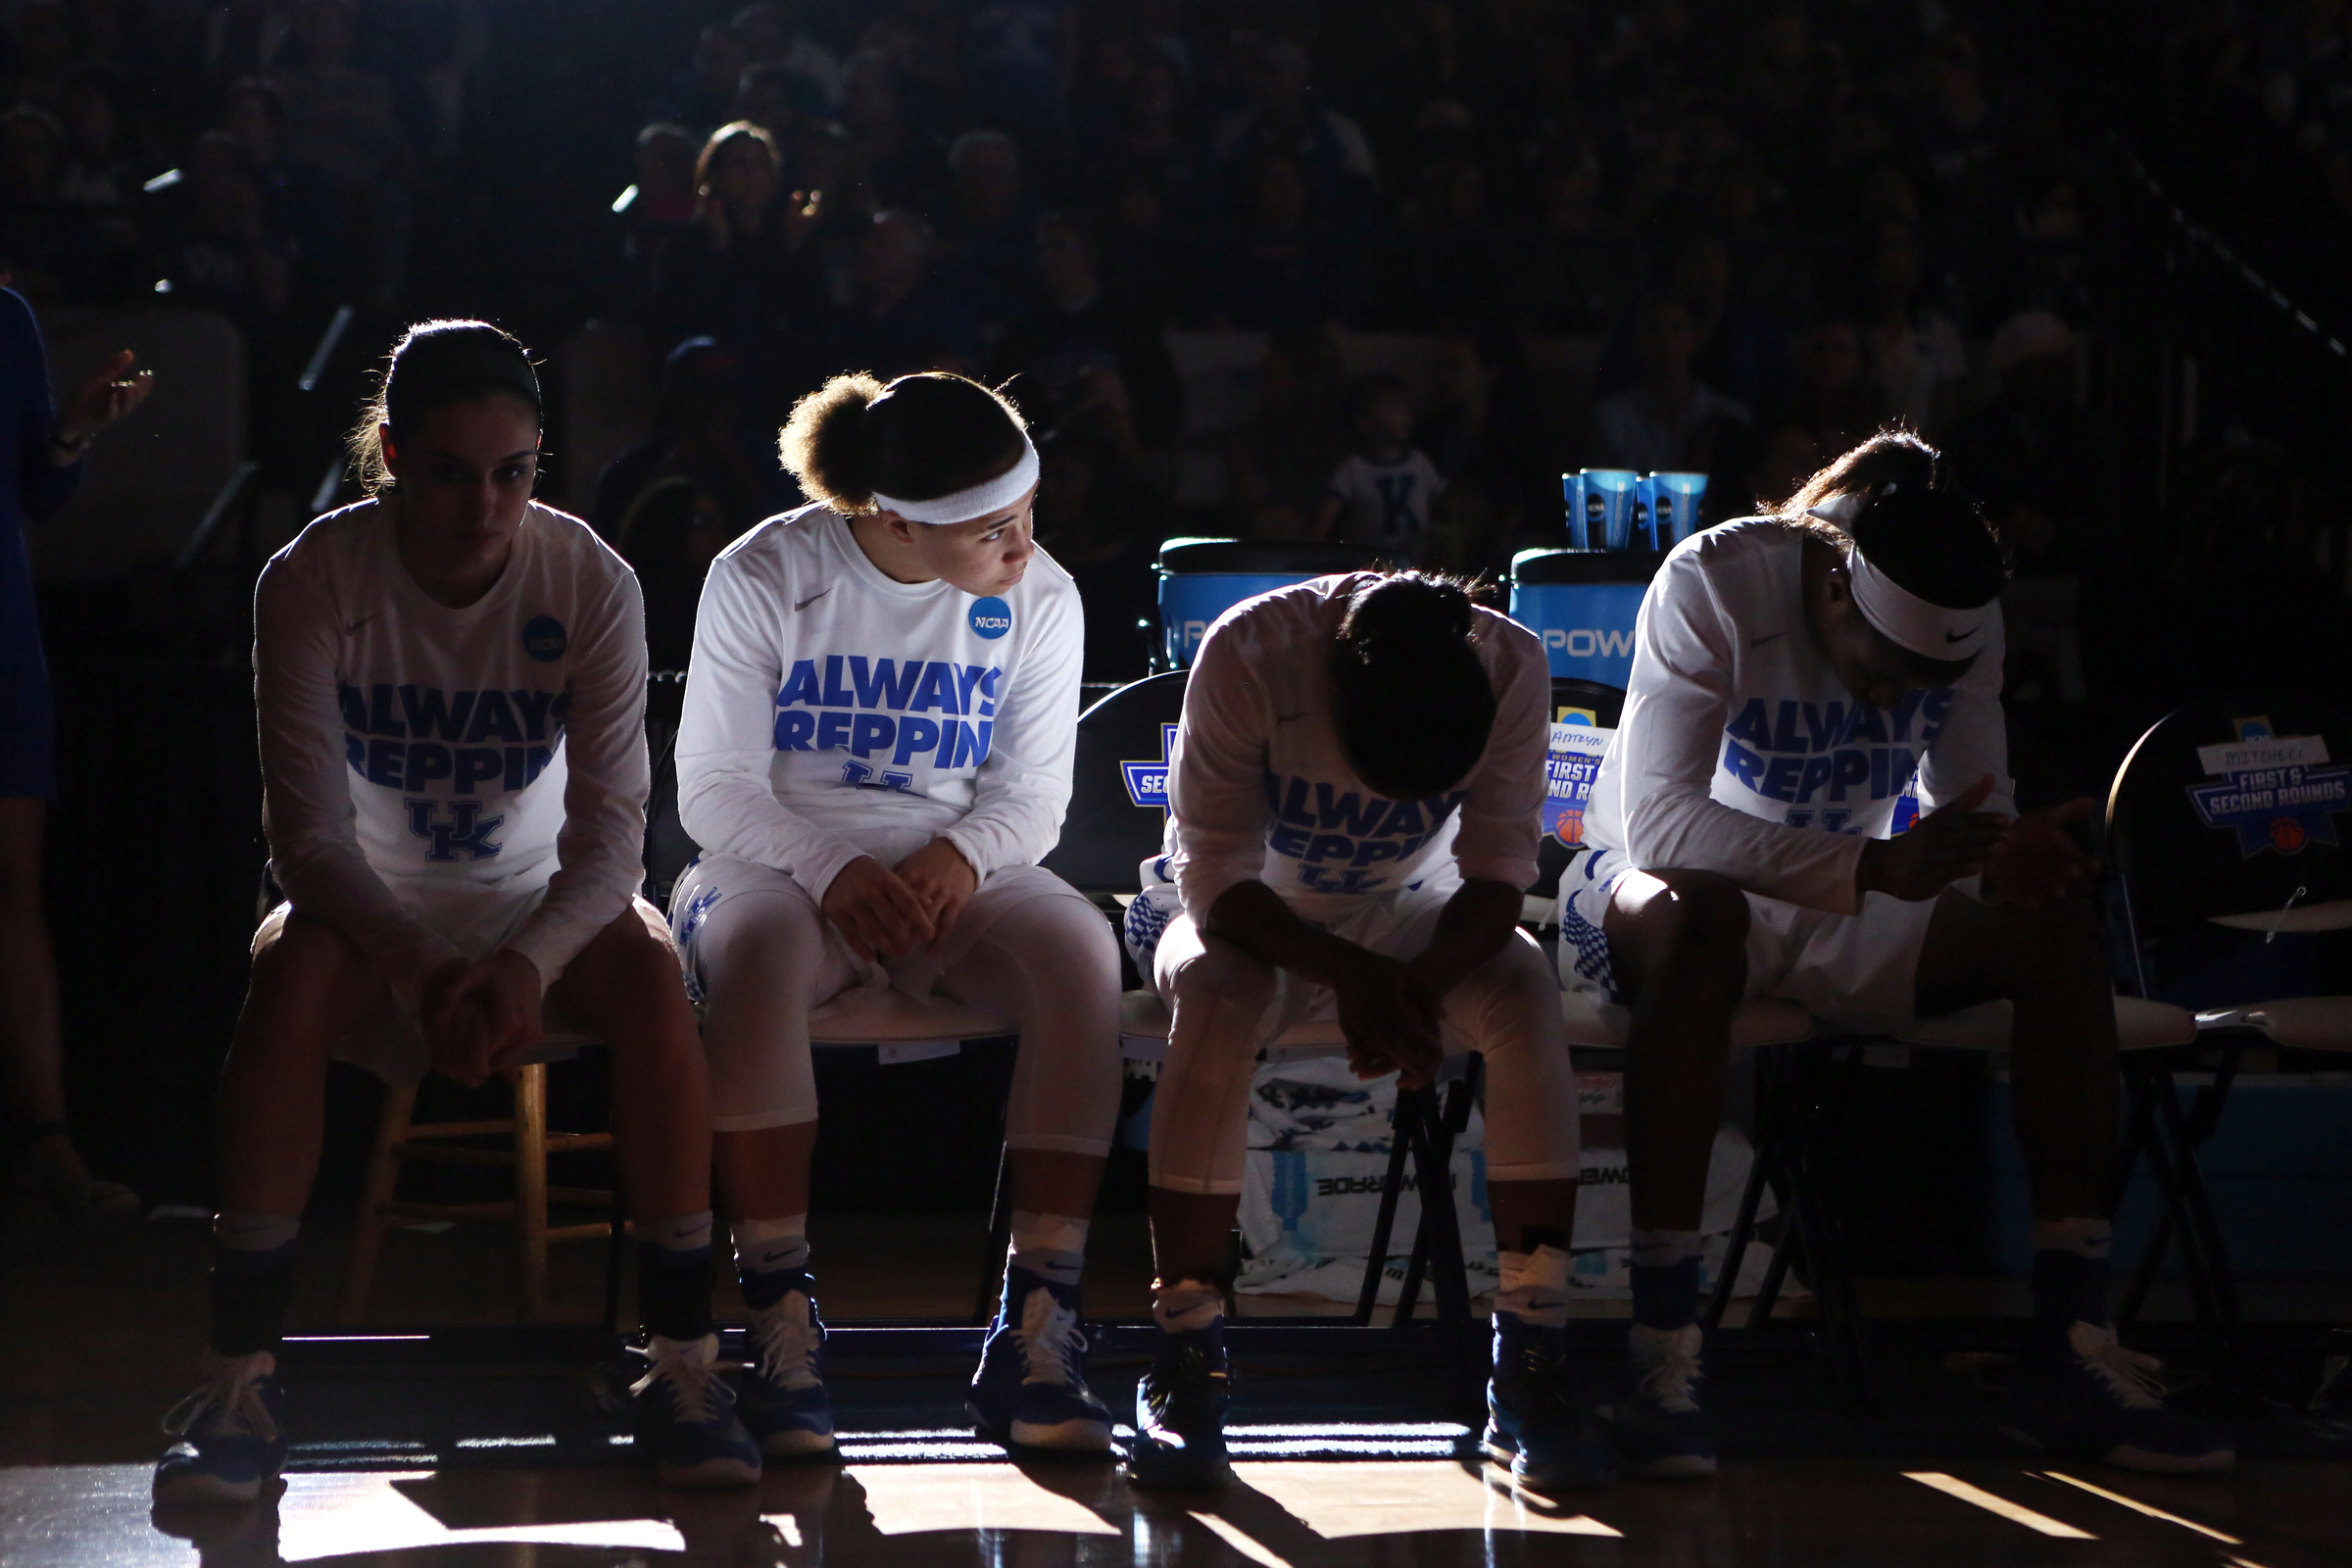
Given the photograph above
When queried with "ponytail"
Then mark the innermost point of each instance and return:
(1415, 708)
(918, 437)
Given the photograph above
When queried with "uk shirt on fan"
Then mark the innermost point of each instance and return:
(423, 763)
(1260, 788)
(1741, 752)
(833, 711)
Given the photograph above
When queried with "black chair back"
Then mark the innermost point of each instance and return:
(1115, 820)
(2232, 808)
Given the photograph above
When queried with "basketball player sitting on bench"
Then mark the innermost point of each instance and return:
(1789, 671)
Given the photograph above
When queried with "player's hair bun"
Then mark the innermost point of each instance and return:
(917, 438)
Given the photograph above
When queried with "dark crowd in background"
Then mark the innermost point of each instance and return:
(1739, 235)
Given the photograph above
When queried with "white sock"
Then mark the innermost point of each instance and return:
(1052, 1247)
(771, 1246)
(1535, 1286)
(1186, 1306)
(239, 1230)
(2085, 1238)
(1663, 1249)
(687, 1233)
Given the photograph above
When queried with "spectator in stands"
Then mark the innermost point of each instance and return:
(45, 54)
(1918, 365)
(745, 261)
(2047, 266)
(104, 167)
(1837, 402)
(1959, 135)
(1669, 419)
(1739, 352)
(1103, 527)
(1282, 265)
(1785, 459)
(773, 36)
(1442, 265)
(1017, 57)
(1286, 122)
(219, 251)
(897, 320)
(60, 254)
(1146, 255)
(774, 99)
(1479, 426)
(1770, 272)
(298, 204)
(671, 534)
(2024, 455)
(1075, 328)
(895, 165)
(1279, 463)
(657, 211)
(699, 435)
(1475, 528)
(1381, 492)
(248, 38)
(704, 93)
(342, 122)
(1152, 138)
(1580, 268)
(987, 232)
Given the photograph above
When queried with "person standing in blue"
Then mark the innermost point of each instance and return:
(46, 446)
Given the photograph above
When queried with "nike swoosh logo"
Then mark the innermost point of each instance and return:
(1758, 642)
(1959, 636)
(810, 600)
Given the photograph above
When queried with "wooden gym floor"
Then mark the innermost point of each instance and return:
(98, 1334)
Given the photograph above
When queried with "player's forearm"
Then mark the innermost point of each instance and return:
(1253, 918)
(1475, 926)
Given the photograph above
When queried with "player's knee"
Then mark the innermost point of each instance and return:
(1699, 918)
(2057, 948)
(304, 948)
(1224, 979)
(761, 934)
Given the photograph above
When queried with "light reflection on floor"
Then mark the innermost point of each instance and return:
(1277, 1514)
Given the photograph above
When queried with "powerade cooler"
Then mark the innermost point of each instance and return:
(1581, 603)
(1200, 580)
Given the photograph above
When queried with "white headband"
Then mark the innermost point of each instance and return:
(975, 500)
(1910, 622)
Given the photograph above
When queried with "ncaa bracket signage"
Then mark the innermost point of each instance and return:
(2278, 793)
(1569, 770)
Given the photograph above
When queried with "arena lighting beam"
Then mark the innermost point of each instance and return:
(315, 371)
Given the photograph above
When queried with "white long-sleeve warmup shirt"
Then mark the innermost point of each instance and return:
(420, 763)
(832, 711)
(1741, 752)
(1260, 788)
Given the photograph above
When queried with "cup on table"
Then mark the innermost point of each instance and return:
(1609, 507)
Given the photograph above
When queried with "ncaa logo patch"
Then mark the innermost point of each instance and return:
(544, 638)
(991, 618)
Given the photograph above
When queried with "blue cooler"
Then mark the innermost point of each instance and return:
(1200, 580)
(1583, 602)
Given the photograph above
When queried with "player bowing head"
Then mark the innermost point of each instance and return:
(450, 686)
(1792, 675)
(1353, 818)
(880, 720)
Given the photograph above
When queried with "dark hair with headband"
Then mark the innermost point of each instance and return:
(434, 364)
(1932, 543)
(1414, 705)
(920, 437)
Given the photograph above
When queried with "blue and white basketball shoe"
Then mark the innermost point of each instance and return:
(1031, 1386)
(2092, 1398)
(783, 1400)
(686, 1417)
(1535, 1425)
(1180, 1414)
(1656, 1427)
(231, 1441)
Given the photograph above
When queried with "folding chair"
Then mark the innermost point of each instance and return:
(2222, 830)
